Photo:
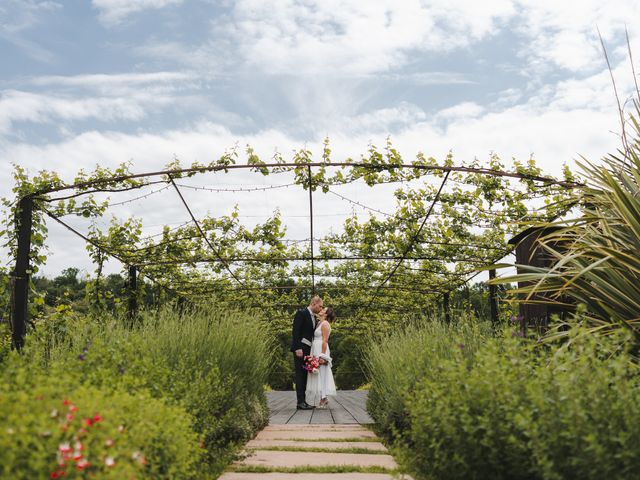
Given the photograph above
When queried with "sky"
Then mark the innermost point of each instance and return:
(101, 82)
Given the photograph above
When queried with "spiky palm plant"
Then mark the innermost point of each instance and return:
(596, 256)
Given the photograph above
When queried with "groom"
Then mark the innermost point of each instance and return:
(304, 324)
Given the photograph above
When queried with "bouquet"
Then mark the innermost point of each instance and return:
(311, 364)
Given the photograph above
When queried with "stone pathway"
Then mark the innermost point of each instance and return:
(315, 452)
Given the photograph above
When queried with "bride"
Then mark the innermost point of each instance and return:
(320, 385)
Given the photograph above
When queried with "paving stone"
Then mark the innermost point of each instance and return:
(312, 434)
(276, 459)
(315, 428)
(257, 444)
(310, 476)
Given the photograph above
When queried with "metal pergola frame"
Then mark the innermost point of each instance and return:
(20, 274)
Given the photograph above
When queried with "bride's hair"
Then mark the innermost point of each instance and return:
(331, 314)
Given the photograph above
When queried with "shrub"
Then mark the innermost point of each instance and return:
(212, 364)
(281, 372)
(510, 409)
(396, 363)
(52, 425)
(346, 351)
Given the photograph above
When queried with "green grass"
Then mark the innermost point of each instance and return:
(356, 450)
(311, 469)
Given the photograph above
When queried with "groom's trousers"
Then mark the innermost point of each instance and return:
(301, 377)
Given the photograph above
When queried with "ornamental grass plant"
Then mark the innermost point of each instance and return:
(396, 363)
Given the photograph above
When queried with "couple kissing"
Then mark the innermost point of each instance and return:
(312, 357)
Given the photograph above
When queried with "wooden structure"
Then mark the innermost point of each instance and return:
(529, 252)
(347, 407)
(36, 200)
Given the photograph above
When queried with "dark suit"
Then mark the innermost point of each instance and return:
(303, 327)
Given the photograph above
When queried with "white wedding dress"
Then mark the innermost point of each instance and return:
(320, 384)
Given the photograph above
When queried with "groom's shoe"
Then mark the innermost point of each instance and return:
(304, 406)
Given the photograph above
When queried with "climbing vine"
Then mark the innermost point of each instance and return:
(407, 262)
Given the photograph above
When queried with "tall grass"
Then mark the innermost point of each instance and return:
(213, 362)
(396, 362)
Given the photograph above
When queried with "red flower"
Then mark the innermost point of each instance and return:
(69, 417)
(87, 421)
(64, 447)
(73, 408)
(66, 402)
(97, 418)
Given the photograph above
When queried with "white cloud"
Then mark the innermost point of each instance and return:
(432, 78)
(383, 121)
(555, 129)
(99, 80)
(309, 37)
(462, 110)
(130, 96)
(337, 38)
(18, 16)
(553, 135)
(18, 106)
(564, 34)
(115, 11)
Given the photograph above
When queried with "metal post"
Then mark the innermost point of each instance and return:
(20, 275)
(445, 306)
(313, 275)
(132, 286)
(493, 298)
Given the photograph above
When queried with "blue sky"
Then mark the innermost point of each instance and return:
(107, 81)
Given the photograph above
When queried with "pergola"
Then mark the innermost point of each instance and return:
(40, 199)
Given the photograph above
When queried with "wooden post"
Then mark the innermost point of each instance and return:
(493, 298)
(445, 306)
(132, 286)
(20, 275)
(313, 273)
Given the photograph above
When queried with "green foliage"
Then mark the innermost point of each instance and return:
(451, 245)
(347, 353)
(594, 256)
(398, 361)
(141, 436)
(507, 409)
(281, 371)
(210, 366)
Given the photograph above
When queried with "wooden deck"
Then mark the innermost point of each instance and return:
(348, 407)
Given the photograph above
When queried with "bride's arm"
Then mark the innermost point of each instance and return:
(325, 337)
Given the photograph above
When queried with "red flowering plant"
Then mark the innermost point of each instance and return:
(311, 364)
(80, 437)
